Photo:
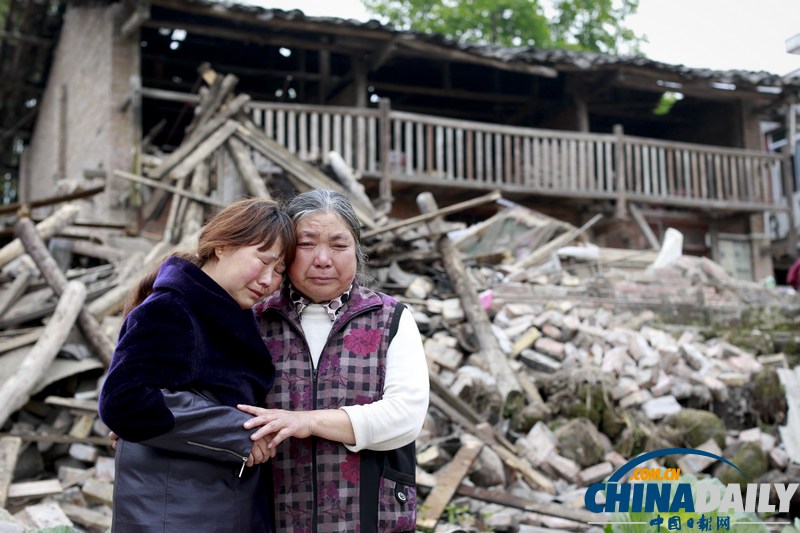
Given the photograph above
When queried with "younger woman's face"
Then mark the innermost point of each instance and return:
(247, 273)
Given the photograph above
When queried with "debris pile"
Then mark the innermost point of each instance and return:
(552, 361)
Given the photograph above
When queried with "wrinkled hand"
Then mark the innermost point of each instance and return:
(282, 424)
(114, 438)
(261, 452)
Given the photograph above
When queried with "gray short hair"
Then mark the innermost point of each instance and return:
(326, 200)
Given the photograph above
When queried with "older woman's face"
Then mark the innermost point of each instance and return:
(325, 258)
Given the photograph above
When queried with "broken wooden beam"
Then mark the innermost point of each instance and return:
(189, 145)
(455, 208)
(169, 188)
(545, 251)
(507, 383)
(447, 481)
(11, 208)
(16, 390)
(97, 340)
(253, 181)
(45, 229)
(9, 451)
(504, 498)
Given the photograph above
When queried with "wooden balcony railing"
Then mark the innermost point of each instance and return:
(433, 150)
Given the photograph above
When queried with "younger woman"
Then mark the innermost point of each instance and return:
(189, 350)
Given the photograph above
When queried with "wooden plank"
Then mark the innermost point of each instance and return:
(361, 142)
(507, 500)
(87, 517)
(459, 140)
(291, 131)
(644, 227)
(469, 152)
(420, 148)
(479, 174)
(189, 145)
(20, 340)
(60, 439)
(315, 148)
(72, 403)
(95, 337)
(204, 149)
(491, 197)
(447, 481)
(562, 240)
(337, 133)
(35, 489)
(408, 147)
(499, 158)
(347, 128)
(15, 289)
(280, 127)
(45, 229)
(16, 391)
(163, 186)
(429, 149)
(508, 161)
(440, 170)
(9, 452)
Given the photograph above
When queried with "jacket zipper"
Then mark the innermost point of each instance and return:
(207, 447)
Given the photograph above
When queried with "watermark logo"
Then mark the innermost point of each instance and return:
(668, 502)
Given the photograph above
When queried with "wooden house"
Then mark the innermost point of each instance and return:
(570, 134)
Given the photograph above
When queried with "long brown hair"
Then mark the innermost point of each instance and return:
(243, 223)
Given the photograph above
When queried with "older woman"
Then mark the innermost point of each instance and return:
(351, 388)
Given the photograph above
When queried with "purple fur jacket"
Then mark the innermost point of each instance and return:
(188, 335)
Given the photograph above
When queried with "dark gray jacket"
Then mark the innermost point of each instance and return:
(180, 455)
(199, 463)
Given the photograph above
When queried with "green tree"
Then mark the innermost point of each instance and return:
(589, 25)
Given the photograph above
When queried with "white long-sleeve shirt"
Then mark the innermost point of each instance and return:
(397, 418)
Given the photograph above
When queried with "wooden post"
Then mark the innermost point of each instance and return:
(619, 165)
(95, 337)
(510, 389)
(9, 451)
(15, 392)
(385, 187)
(15, 289)
(63, 131)
(193, 219)
(788, 178)
(136, 116)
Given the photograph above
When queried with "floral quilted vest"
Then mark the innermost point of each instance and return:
(319, 485)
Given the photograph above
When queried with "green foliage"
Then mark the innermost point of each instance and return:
(590, 25)
(453, 512)
(668, 99)
(3, 11)
(57, 529)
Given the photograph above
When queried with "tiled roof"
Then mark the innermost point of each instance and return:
(570, 59)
